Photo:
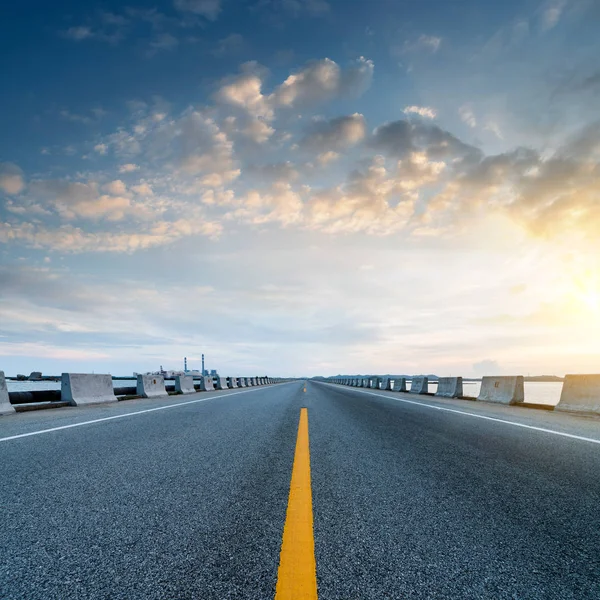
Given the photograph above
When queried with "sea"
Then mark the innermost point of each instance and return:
(536, 392)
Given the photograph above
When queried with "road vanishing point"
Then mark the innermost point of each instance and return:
(297, 491)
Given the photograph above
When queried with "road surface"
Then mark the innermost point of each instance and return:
(409, 501)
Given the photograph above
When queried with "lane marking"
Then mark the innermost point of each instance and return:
(131, 414)
(468, 414)
(297, 574)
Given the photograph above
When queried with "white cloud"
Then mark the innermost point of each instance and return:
(101, 148)
(423, 111)
(143, 189)
(11, 179)
(424, 43)
(116, 187)
(494, 128)
(467, 115)
(316, 82)
(323, 80)
(326, 157)
(128, 168)
(551, 14)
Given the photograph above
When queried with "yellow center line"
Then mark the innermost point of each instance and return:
(297, 575)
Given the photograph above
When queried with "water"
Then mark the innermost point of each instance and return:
(535, 392)
(31, 386)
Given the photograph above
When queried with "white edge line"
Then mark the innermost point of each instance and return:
(469, 414)
(131, 414)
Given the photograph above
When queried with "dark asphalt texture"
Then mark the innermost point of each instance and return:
(190, 502)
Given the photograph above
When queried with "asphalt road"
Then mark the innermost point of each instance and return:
(409, 501)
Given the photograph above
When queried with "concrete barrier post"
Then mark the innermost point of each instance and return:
(505, 390)
(83, 388)
(419, 385)
(184, 384)
(450, 387)
(221, 383)
(374, 383)
(241, 381)
(580, 393)
(206, 384)
(232, 383)
(6, 407)
(386, 384)
(151, 386)
(399, 384)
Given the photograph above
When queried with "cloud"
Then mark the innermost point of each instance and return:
(324, 80)
(551, 14)
(75, 118)
(101, 148)
(318, 81)
(326, 157)
(276, 9)
(128, 168)
(230, 45)
(399, 138)
(11, 179)
(78, 33)
(209, 9)
(424, 43)
(423, 111)
(336, 134)
(201, 147)
(283, 171)
(244, 91)
(73, 200)
(74, 240)
(163, 41)
(467, 115)
(116, 187)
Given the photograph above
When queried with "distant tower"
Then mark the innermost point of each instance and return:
(203, 364)
(185, 364)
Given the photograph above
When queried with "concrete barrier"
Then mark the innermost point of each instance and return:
(206, 384)
(83, 388)
(580, 393)
(450, 387)
(5, 406)
(399, 384)
(151, 386)
(505, 390)
(241, 381)
(374, 381)
(386, 384)
(184, 384)
(419, 385)
(232, 382)
(221, 383)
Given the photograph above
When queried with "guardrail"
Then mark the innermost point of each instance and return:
(86, 388)
(580, 393)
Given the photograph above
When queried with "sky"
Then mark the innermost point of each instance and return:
(300, 187)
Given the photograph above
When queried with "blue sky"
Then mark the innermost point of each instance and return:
(300, 186)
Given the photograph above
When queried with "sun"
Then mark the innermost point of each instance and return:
(591, 298)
